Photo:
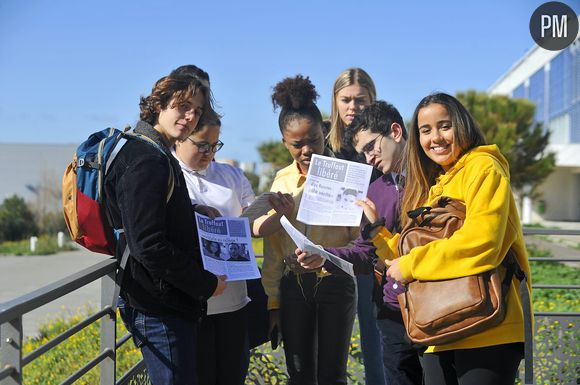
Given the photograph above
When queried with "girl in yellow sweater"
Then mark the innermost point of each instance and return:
(446, 155)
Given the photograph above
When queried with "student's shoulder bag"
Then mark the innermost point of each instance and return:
(440, 312)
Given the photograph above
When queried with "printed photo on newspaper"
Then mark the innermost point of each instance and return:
(226, 247)
(332, 186)
(307, 245)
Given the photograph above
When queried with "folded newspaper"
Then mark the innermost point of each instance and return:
(331, 189)
(260, 206)
(306, 245)
(226, 247)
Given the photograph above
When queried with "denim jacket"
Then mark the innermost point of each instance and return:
(164, 275)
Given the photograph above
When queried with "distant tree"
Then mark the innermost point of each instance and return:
(254, 180)
(16, 220)
(509, 123)
(47, 204)
(275, 153)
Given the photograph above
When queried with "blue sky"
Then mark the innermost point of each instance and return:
(69, 68)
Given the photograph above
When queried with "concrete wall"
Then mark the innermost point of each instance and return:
(561, 194)
(33, 165)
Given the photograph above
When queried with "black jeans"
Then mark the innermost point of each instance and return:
(317, 316)
(223, 354)
(492, 365)
(400, 357)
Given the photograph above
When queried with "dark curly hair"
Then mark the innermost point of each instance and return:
(191, 70)
(296, 97)
(177, 88)
(377, 117)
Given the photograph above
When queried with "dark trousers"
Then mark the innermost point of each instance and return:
(168, 345)
(400, 357)
(493, 365)
(370, 337)
(223, 354)
(317, 316)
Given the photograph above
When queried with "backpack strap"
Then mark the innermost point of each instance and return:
(171, 181)
(514, 269)
(123, 138)
(119, 275)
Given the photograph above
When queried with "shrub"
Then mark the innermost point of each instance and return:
(16, 220)
(46, 245)
(61, 361)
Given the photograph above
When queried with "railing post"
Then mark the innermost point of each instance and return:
(108, 330)
(11, 350)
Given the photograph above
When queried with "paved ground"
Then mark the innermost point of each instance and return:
(561, 246)
(20, 275)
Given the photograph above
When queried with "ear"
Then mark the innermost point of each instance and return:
(396, 132)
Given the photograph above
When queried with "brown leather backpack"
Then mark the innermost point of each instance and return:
(439, 312)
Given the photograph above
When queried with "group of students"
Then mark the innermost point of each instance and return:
(192, 326)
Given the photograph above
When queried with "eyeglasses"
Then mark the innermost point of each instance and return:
(207, 147)
(370, 146)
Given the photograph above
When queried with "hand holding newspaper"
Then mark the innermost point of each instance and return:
(226, 247)
(306, 245)
(260, 206)
(332, 187)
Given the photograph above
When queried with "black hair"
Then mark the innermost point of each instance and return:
(191, 70)
(377, 117)
(296, 97)
(209, 119)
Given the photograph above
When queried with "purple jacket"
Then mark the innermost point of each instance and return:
(386, 196)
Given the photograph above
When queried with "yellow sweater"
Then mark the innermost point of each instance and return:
(279, 244)
(480, 179)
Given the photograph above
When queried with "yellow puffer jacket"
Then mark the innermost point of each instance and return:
(480, 179)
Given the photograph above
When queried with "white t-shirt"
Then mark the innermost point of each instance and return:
(227, 189)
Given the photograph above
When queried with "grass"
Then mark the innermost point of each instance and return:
(46, 245)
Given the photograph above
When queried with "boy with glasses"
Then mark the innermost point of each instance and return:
(379, 134)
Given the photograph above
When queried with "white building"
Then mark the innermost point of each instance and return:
(29, 170)
(551, 79)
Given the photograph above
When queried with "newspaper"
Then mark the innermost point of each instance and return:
(260, 206)
(331, 189)
(226, 247)
(306, 245)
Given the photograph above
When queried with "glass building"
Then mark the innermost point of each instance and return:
(551, 79)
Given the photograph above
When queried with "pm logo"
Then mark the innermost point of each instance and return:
(554, 26)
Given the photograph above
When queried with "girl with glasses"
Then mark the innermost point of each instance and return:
(218, 189)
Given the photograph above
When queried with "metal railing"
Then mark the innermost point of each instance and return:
(11, 331)
(543, 231)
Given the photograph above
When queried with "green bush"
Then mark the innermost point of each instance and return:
(16, 220)
(46, 245)
(61, 361)
(557, 343)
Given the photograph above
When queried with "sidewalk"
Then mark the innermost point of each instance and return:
(561, 246)
(20, 275)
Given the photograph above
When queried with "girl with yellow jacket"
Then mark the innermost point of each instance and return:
(446, 155)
